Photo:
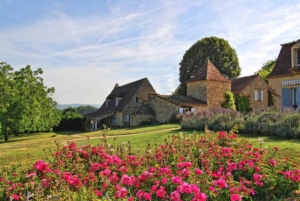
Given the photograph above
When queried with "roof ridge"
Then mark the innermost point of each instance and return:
(289, 43)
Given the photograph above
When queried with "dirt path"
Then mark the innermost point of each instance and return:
(79, 137)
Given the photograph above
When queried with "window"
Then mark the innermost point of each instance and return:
(117, 101)
(107, 102)
(127, 118)
(184, 110)
(297, 63)
(137, 99)
(258, 95)
(294, 96)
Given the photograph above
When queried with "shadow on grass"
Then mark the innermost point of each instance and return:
(11, 140)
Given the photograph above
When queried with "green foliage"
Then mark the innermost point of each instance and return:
(71, 120)
(25, 103)
(242, 103)
(86, 109)
(229, 100)
(277, 123)
(266, 69)
(220, 53)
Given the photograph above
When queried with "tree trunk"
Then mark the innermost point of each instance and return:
(6, 134)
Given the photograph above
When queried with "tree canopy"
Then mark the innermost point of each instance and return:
(86, 109)
(266, 69)
(220, 53)
(25, 103)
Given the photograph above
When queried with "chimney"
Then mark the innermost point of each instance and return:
(116, 85)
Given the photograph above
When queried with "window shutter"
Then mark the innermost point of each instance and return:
(117, 101)
(261, 95)
(180, 110)
(298, 96)
(256, 95)
(285, 97)
(193, 109)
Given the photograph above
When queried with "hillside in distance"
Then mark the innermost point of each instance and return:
(74, 105)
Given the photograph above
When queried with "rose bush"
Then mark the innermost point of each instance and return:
(213, 166)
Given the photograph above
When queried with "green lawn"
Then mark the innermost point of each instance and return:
(28, 148)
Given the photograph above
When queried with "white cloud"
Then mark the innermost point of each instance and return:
(83, 56)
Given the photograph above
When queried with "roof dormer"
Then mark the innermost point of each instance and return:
(295, 55)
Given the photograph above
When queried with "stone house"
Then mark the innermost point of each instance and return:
(137, 102)
(208, 85)
(285, 77)
(205, 89)
(126, 105)
(166, 107)
(254, 87)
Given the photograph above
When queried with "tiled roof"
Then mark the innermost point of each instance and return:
(283, 63)
(208, 72)
(182, 100)
(126, 91)
(238, 84)
(293, 42)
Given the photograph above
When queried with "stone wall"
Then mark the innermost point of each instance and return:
(216, 91)
(138, 119)
(197, 90)
(260, 85)
(142, 98)
(163, 109)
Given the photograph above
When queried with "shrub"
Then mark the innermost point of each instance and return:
(229, 100)
(288, 126)
(214, 166)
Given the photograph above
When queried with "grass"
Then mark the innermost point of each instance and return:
(26, 149)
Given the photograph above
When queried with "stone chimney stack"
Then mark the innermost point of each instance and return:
(116, 85)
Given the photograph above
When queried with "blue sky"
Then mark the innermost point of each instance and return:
(86, 46)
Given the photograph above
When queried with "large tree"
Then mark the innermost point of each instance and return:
(220, 53)
(25, 103)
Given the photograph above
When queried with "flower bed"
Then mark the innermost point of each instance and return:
(199, 167)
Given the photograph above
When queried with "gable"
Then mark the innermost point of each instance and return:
(284, 60)
(124, 94)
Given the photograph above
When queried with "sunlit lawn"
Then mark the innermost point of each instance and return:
(28, 148)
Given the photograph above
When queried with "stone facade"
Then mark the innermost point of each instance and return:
(257, 85)
(138, 119)
(139, 99)
(209, 91)
(197, 90)
(216, 91)
(163, 109)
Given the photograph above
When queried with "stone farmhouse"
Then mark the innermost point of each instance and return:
(255, 88)
(285, 77)
(137, 102)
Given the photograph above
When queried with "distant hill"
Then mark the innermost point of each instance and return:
(64, 106)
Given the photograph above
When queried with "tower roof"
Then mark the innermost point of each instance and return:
(208, 72)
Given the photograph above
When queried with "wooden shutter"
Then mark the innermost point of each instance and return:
(298, 96)
(261, 95)
(180, 110)
(286, 98)
(256, 95)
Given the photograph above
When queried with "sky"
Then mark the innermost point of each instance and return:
(85, 47)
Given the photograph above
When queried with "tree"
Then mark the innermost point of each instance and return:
(264, 71)
(229, 100)
(25, 104)
(70, 120)
(86, 109)
(220, 53)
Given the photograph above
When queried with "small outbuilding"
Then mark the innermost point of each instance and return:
(255, 88)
